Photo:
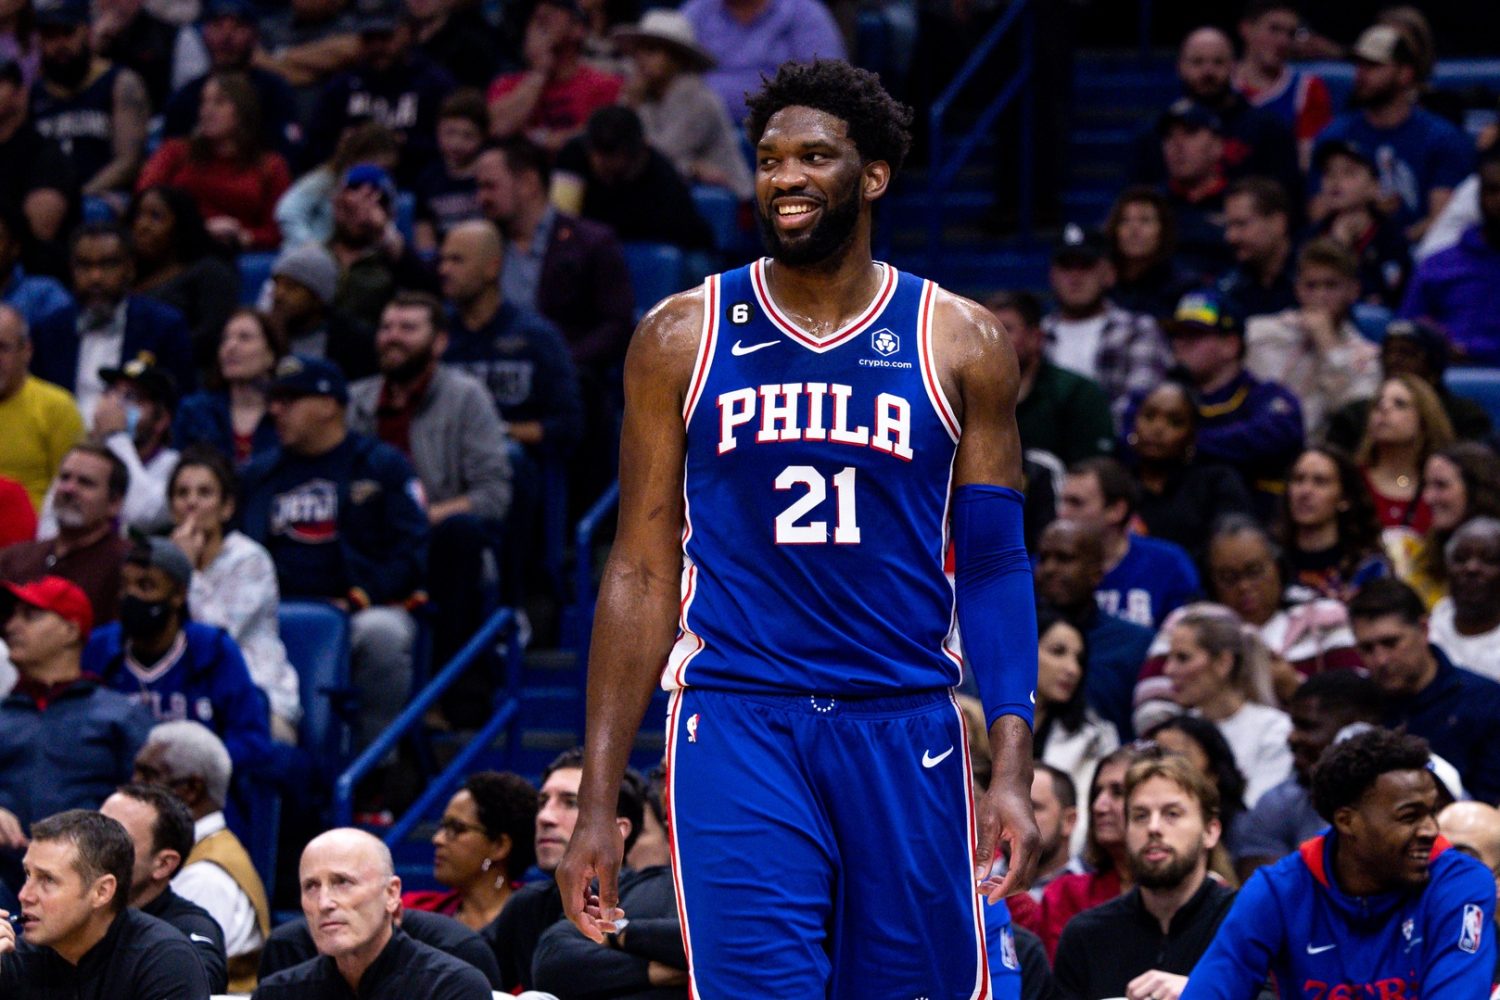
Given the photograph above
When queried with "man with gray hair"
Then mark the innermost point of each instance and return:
(1466, 623)
(351, 897)
(41, 420)
(186, 757)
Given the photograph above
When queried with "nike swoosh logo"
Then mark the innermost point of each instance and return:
(740, 351)
(928, 760)
(1319, 950)
(200, 937)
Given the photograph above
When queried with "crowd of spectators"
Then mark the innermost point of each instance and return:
(1266, 533)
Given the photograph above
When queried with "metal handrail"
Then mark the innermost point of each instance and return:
(943, 169)
(583, 582)
(505, 712)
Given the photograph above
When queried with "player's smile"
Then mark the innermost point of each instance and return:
(795, 212)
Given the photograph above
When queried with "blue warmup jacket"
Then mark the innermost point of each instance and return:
(208, 683)
(1292, 919)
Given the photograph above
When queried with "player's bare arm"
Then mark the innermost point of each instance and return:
(636, 619)
(980, 378)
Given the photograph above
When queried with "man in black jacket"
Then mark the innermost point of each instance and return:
(81, 940)
(516, 933)
(161, 828)
(350, 897)
(292, 943)
(1144, 943)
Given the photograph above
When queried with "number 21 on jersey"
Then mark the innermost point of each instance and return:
(791, 529)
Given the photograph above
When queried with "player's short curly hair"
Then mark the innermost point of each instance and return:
(879, 125)
(1348, 770)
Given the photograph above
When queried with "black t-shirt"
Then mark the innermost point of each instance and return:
(139, 958)
(445, 200)
(202, 931)
(404, 970)
(655, 206)
(31, 164)
(291, 944)
(147, 45)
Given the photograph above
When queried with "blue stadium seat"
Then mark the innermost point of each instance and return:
(316, 636)
(721, 210)
(255, 271)
(656, 271)
(96, 209)
(1482, 385)
(1372, 320)
(406, 215)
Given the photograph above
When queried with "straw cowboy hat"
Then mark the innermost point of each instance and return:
(671, 29)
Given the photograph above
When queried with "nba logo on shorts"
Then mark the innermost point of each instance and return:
(1473, 929)
(692, 728)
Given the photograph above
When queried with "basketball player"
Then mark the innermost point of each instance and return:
(797, 435)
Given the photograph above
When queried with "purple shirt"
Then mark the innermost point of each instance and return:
(784, 30)
(1456, 288)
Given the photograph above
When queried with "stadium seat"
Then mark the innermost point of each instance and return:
(1371, 320)
(656, 271)
(1482, 385)
(255, 271)
(96, 209)
(316, 636)
(406, 215)
(721, 210)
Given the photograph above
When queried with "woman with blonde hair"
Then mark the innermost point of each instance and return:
(1219, 669)
(1407, 423)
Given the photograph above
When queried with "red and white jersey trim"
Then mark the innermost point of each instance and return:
(982, 979)
(930, 375)
(707, 341)
(841, 336)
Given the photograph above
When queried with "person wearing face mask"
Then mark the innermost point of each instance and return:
(133, 419)
(179, 669)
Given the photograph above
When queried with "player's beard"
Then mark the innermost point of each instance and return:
(1168, 875)
(832, 233)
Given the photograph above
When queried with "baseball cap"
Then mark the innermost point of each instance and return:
(1189, 114)
(59, 596)
(311, 266)
(300, 375)
(1078, 245)
(1426, 336)
(62, 13)
(162, 554)
(1206, 310)
(1330, 148)
(1384, 45)
(371, 175)
(158, 384)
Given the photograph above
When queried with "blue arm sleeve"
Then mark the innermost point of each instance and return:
(1238, 962)
(1460, 930)
(996, 603)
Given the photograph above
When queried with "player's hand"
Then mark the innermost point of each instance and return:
(1155, 985)
(594, 852)
(1005, 818)
(11, 834)
(7, 933)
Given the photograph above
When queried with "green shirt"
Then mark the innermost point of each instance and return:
(1065, 414)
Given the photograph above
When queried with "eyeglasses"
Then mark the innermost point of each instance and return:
(457, 828)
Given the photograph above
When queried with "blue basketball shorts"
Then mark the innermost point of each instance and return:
(823, 848)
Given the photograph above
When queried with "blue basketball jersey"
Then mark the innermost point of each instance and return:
(816, 484)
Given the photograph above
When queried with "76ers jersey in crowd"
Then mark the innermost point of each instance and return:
(816, 484)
